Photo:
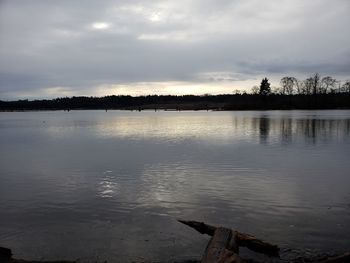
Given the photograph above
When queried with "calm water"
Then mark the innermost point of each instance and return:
(98, 185)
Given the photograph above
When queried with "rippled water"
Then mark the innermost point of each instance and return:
(98, 185)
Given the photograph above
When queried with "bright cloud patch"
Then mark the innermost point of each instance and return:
(100, 25)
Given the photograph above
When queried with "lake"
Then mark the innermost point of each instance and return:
(96, 185)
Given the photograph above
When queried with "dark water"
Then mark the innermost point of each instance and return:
(108, 186)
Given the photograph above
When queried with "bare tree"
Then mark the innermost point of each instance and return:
(316, 83)
(327, 84)
(308, 86)
(346, 87)
(255, 89)
(287, 85)
(299, 84)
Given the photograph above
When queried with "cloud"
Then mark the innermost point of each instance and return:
(84, 45)
(100, 25)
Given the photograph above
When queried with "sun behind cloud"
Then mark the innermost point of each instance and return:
(100, 25)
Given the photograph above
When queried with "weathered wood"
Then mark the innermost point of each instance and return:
(243, 239)
(257, 245)
(233, 245)
(200, 227)
(219, 248)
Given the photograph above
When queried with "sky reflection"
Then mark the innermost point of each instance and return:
(91, 183)
(229, 127)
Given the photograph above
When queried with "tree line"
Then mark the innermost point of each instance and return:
(312, 85)
(312, 93)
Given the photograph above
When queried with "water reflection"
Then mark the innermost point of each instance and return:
(228, 127)
(112, 183)
(264, 129)
(289, 129)
(108, 187)
(313, 130)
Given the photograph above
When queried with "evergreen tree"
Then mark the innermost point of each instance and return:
(265, 88)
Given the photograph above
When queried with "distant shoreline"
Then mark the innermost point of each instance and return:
(166, 110)
(226, 102)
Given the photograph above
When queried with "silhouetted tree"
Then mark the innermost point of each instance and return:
(265, 88)
(287, 85)
(327, 83)
(308, 86)
(346, 87)
(316, 84)
(255, 89)
(299, 84)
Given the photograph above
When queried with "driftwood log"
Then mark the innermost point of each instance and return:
(224, 244)
(222, 247)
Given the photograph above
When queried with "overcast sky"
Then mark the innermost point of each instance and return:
(81, 47)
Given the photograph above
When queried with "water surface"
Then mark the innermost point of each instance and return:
(98, 185)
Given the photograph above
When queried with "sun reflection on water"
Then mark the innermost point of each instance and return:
(108, 187)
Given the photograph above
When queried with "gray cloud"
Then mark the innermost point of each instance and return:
(81, 46)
